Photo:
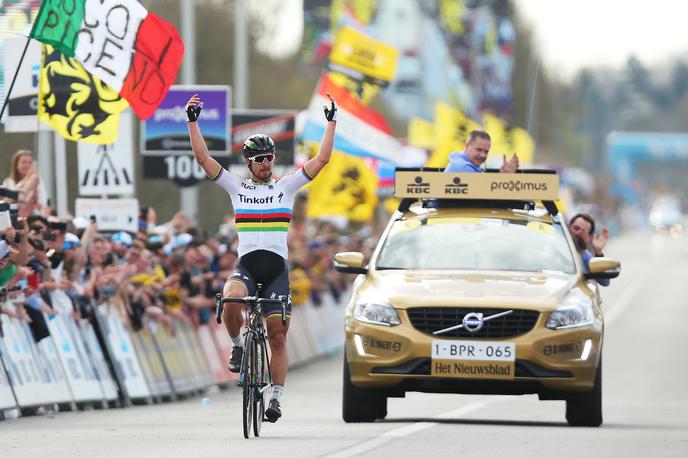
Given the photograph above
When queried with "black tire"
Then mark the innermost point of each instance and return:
(585, 409)
(359, 405)
(259, 398)
(247, 385)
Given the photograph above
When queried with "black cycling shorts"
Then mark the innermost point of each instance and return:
(269, 269)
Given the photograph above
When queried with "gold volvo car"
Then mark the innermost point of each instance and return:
(475, 287)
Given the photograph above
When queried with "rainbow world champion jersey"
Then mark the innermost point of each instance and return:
(262, 211)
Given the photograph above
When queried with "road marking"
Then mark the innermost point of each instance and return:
(387, 437)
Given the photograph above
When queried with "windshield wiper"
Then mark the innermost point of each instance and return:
(389, 268)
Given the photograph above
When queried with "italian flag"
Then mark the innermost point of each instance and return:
(133, 51)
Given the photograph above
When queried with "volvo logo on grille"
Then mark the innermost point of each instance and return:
(473, 322)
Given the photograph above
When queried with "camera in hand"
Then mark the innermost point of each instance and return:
(58, 226)
(37, 244)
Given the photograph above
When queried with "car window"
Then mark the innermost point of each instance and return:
(476, 244)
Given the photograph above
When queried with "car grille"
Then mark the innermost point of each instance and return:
(431, 319)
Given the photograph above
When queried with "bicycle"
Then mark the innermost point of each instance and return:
(252, 376)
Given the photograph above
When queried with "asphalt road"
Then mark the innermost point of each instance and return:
(645, 398)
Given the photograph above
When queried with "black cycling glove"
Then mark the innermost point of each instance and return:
(331, 114)
(193, 112)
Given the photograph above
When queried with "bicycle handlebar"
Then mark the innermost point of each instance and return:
(252, 300)
(219, 301)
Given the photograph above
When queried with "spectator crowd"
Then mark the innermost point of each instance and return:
(166, 269)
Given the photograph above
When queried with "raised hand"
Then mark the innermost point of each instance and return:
(599, 241)
(193, 108)
(509, 166)
(331, 113)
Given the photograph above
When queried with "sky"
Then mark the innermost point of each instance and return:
(572, 35)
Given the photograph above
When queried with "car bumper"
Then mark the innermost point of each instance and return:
(548, 362)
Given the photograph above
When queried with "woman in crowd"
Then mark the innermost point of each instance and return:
(24, 177)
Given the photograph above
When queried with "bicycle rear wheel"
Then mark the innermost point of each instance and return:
(259, 396)
(248, 383)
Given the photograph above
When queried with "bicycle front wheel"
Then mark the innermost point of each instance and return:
(248, 383)
(260, 390)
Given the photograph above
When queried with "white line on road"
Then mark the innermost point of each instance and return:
(407, 430)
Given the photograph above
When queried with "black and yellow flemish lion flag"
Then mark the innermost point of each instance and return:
(78, 105)
(347, 188)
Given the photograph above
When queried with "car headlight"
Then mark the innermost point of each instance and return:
(376, 313)
(575, 311)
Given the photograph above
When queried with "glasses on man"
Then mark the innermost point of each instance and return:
(263, 158)
(69, 245)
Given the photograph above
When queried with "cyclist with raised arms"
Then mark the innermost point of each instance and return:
(262, 206)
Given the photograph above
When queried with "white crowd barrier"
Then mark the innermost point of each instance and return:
(7, 400)
(125, 361)
(34, 371)
(78, 364)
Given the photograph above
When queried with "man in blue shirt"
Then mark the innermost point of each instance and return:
(474, 155)
(582, 229)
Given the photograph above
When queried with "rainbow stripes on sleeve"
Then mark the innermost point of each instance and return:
(268, 220)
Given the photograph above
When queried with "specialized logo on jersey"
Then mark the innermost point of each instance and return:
(269, 219)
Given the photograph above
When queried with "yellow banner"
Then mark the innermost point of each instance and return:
(421, 133)
(346, 187)
(79, 106)
(363, 54)
(452, 128)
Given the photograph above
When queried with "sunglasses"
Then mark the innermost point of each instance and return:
(262, 158)
(70, 245)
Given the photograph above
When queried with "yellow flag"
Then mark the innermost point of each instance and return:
(507, 141)
(421, 133)
(79, 106)
(361, 10)
(522, 144)
(353, 50)
(451, 12)
(496, 127)
(346, 187)
(452, 128)
(362, 90)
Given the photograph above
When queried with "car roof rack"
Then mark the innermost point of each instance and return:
(435, 188)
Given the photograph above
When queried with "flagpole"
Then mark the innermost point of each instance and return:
(16, 73)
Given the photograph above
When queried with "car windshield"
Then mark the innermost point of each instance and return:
(476, 244)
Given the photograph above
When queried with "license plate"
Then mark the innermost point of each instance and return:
(471, 359)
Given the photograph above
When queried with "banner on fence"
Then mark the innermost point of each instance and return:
(7, 400)
(122, 353)
(19, 356)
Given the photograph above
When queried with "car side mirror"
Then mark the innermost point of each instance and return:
(350, 262)
(600, 268)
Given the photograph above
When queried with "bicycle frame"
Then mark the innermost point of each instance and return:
(255, 334)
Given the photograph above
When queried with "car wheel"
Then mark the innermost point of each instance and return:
(359, 405)
(585, 409)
